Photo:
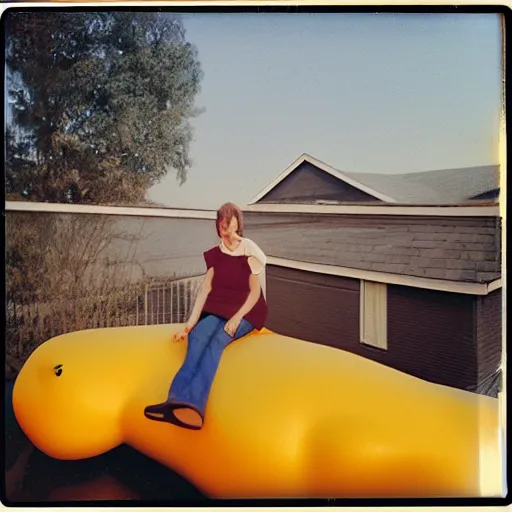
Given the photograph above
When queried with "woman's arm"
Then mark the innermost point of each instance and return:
(257, 258)
(252, 297)
(204, 291)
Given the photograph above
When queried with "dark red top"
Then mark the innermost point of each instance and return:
(230, 287)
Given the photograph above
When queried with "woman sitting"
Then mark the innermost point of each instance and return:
(229, 305)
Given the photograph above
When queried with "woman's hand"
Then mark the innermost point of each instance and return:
(183, 334)
(179, 336)
(232, 325)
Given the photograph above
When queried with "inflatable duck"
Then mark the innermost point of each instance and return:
(285, 418)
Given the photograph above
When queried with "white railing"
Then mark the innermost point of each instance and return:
(31, 323)
(169, 302)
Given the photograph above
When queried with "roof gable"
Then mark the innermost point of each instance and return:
(450, 186)
(305, 158)
(307, 184)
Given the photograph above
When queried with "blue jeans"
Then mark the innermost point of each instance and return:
(206, 343)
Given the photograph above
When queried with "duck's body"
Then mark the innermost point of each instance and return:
(285, 418)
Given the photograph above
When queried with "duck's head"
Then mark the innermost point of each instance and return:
(70, 394)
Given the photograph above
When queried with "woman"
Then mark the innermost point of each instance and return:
(229, 305)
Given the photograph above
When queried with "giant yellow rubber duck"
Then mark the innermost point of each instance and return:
(285, 417)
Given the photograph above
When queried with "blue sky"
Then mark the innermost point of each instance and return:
(380, 93)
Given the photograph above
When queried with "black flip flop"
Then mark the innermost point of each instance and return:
(166, 410)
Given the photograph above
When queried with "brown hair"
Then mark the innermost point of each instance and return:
(226, 212)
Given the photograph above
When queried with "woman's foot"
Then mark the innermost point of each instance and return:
(181, 415)
(189, 416)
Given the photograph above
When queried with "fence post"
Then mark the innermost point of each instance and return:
(137, 306)
(187, 299)
(179, 301)
(172, 299)
(158, 305)
(145, 304)
(164, 291)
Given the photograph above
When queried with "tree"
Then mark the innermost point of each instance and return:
(101, 104)
(62, 270)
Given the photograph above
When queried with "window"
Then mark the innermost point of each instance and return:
(373, 328)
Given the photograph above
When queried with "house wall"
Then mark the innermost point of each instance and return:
(314, 307)
(307, 183)
(430, 334)
(489, 334)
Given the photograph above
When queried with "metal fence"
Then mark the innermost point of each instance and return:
(169, 302)
(147, 303)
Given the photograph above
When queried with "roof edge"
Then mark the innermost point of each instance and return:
(379, 209)
(305, 157)
(464, 287)
(32, 206)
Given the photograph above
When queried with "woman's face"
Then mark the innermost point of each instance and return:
(228, 228)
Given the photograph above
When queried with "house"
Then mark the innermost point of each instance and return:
(413, 286)
(309, 181)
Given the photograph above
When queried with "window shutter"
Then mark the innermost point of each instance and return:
(374, 314)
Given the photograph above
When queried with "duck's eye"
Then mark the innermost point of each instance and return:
(58, 370)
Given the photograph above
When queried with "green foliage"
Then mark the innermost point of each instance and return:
(103, 104)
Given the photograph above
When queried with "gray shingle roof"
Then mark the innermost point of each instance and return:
(455, 249)
(436, 187)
